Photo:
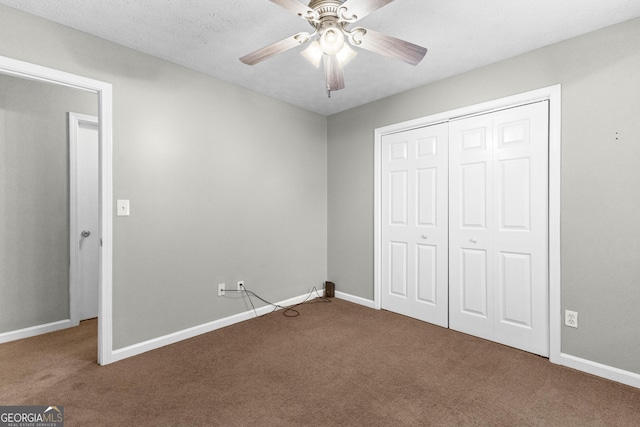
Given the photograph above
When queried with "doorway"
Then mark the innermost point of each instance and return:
(552, 95)
(103, 91)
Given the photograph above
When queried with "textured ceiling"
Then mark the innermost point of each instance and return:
(210, 35)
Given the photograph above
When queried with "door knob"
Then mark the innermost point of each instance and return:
(86, 233)
(424, 236)
(473, 241)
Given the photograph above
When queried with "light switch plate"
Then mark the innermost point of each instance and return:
(122, 207)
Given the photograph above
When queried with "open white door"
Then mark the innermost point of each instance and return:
(414, 223)
(85, 225)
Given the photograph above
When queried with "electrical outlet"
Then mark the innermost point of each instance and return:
(571, 318)
(221, 288)
(240, 285)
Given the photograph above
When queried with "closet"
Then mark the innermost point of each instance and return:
(465, 225)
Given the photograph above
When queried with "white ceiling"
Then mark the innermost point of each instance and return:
(210, 35)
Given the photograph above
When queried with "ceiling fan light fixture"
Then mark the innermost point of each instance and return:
(331, 39)
(313, 53)
(345, 55)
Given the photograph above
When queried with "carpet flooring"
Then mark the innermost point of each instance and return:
(337, 364)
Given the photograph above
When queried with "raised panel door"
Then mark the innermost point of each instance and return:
(521, 227)
(498, 201)
(415, 223)
(470, 210)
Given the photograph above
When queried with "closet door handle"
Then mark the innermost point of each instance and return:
(473, 240)
(424, 236)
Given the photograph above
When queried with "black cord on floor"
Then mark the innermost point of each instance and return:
(288, 311)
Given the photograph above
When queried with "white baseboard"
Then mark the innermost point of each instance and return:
(34, 330)
(600, 370)
(356, 300)
(143, 347)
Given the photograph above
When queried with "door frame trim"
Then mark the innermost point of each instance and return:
(75, 120)
(553, 95)
(26, 70)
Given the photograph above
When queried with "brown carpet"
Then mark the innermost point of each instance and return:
(336, 364)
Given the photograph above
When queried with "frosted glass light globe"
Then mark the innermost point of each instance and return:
(332, 40)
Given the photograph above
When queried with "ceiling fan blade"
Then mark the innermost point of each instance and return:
(388, 46)
(354, 10)
(273, 49)
(333, 73)
(298, 8)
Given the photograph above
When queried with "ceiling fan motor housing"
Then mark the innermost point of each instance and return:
(326, 8)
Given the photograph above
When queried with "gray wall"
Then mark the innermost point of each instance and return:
(34, 200)
(225, 184)
(599, 73)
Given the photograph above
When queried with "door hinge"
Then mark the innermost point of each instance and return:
(101, 241)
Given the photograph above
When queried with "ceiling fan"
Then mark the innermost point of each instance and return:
(330, 20)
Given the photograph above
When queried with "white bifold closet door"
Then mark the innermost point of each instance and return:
(414, 223)
(498, 227)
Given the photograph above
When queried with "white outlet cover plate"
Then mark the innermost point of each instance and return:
(571, 318)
